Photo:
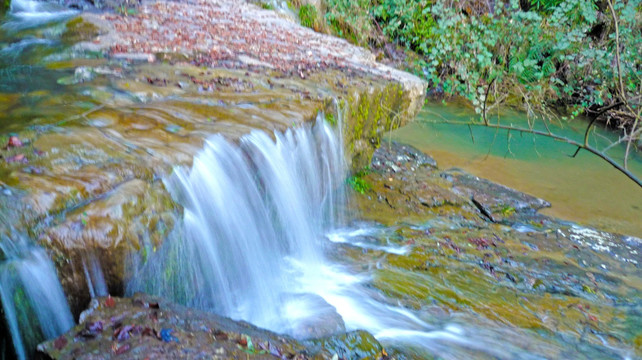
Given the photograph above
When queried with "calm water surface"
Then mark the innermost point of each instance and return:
(584, 189)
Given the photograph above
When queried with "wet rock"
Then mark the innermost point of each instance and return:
(391, 156)
(488, 258)
(353, 345)
(132, 328)
(408, 183)
(495, 197)
(325, 322)
(94, 178)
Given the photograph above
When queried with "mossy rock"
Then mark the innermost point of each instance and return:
(353, 345)
(78, 30)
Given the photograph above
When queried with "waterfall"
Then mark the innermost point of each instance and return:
(33, 301)
(25, 14)
(252, 211)
(94, 275)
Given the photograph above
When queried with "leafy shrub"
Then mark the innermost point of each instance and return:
(556, 52)
(351, 19)
(409, 22)
(527, 56)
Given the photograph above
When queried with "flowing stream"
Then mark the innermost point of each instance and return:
(258, 219)
(259, 240)
(267, 234)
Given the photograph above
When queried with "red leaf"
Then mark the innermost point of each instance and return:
(122, 349)
(153, 305)
(14, 142)
(60, 342)
(242, 341)
(110, 302)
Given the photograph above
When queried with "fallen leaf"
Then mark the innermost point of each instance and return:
(110, 302)
(60, 342)
(242, 341)
(220, 335)
(122, 333)
(21, 158)
(14, 142)
(122, 349)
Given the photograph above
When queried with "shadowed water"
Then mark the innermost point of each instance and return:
(33, 301)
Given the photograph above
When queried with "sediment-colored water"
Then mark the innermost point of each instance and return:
(584, 189)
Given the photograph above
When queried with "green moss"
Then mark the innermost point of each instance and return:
(331, 119)
(78, 30)
(353, 345)
(370, 115)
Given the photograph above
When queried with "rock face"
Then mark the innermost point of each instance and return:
(240, 35)
(144, 327)
(165, 78)
(407, 183)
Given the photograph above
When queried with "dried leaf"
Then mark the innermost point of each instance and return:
(122, 349)
(14, 142)
(20, 158)
(60, 342)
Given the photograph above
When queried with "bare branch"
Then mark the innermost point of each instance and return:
(563, 139)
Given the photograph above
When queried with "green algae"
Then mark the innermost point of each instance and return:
(551, 283)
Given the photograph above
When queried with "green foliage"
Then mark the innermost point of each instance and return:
(544, 5)
(560, 52)
(409, 22)
(536, 58)
(308, 16)
(358, 183)
(351, 19)
(331, 119)
(267, 6)
(4, 6)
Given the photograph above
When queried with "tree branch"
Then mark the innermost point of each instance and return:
(563, 139)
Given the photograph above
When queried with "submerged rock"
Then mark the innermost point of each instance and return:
(481, 254)
(148, 327)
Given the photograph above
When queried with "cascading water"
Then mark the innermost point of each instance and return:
(257, 218)
(33, 301)
(251, 211)
(26, 14)
(255, 244)
(94, 276)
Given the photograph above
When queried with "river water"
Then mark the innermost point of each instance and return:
(584, 189)
(267, 235)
